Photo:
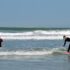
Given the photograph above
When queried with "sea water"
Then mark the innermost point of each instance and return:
(33, 49)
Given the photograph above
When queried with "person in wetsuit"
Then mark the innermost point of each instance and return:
(1, 40)
(66, 39)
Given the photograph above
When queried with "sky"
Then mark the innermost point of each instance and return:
(35, 13)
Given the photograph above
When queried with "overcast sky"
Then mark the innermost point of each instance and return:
(35, 13)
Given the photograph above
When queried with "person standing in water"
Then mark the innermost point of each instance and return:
(1, 40)
(66, 39)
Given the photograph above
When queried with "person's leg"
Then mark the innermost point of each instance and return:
(68, 48)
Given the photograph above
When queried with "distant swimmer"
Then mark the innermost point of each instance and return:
(66, 39)
(1, 40)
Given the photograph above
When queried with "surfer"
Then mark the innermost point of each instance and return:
(1, 40)
(66, 39)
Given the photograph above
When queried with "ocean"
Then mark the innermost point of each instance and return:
(34, 49)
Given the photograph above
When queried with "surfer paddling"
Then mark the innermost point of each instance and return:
(66, 39)
(1, 40)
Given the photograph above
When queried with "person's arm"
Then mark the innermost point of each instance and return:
(64, 43)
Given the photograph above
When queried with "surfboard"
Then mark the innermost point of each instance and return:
(66, 52)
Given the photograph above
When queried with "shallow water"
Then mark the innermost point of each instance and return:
(33, 49)
(33, 55)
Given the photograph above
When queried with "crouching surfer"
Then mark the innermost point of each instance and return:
(66, 39)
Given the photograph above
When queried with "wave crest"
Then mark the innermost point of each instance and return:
(38, 34)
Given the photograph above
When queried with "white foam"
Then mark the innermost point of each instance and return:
(38, 34)
(22, 53)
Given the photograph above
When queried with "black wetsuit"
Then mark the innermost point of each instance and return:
(1, 42)
(67, 40)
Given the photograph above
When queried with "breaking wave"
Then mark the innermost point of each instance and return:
(38, 34)
(23, 54)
